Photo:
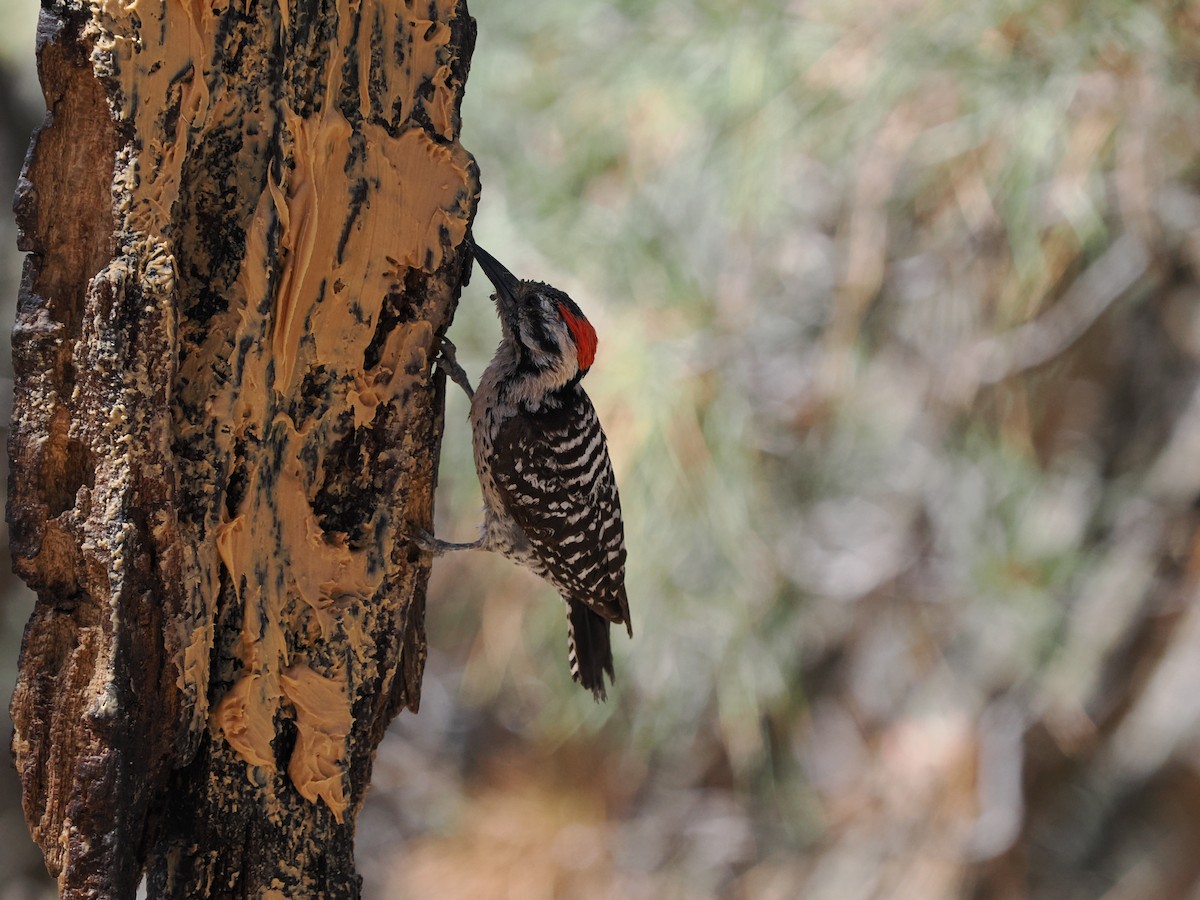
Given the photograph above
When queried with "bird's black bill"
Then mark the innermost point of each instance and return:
(504, 280)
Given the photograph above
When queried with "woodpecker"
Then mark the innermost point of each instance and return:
(550, 500)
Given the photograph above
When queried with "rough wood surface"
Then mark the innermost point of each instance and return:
(245, 228)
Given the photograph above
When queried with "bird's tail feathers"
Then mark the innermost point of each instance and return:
(589, 650)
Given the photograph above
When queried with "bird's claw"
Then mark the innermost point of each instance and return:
(448, 362)
(436, 546)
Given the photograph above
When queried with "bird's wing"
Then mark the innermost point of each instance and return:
(555, 478)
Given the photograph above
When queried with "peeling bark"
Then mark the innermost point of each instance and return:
(245, 231)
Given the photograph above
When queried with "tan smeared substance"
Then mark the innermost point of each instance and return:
(322, 723)
(340, 219)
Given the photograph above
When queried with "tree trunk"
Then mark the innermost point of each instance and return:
(245, 230)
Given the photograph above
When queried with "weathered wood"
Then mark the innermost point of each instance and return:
(245, 230)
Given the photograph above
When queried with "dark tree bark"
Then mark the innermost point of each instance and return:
(245, 229)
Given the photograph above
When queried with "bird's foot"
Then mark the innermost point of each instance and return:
(448, 362)
(436, 546)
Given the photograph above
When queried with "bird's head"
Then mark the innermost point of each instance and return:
(549, 332)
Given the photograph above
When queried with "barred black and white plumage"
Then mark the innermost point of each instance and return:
(550, 497)
(570, 516)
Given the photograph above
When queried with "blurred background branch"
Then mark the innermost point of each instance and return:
(899, 352)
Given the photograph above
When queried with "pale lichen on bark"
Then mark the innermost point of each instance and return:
(223, 416)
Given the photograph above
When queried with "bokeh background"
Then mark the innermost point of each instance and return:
(900, 369)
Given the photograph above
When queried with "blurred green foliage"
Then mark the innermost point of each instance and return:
(885, 446)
